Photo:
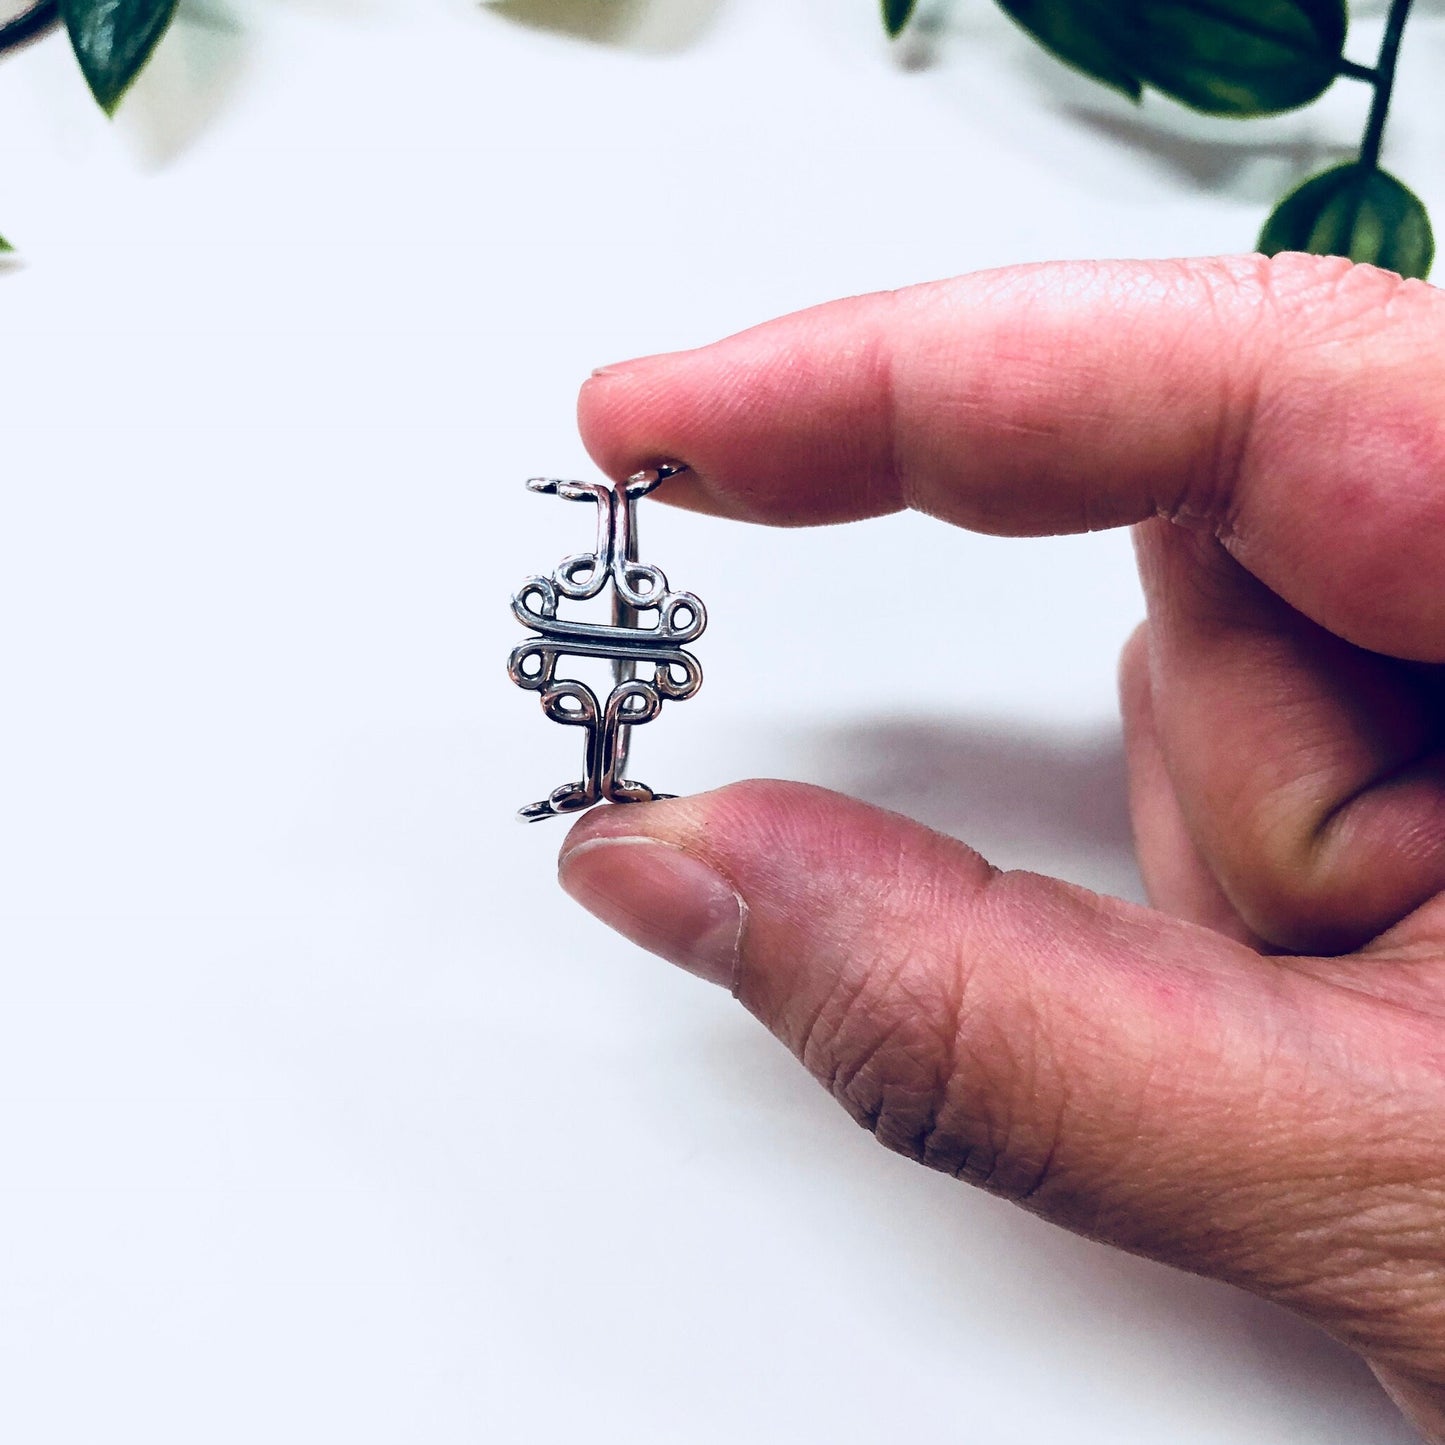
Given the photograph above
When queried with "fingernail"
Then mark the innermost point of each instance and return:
(664, 899)
(620, 368)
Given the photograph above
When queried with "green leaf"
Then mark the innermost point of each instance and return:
(1083, 33)
(1355, 211)
(897, 14)
(1226, 57)
(1235, 57)
(113, 39)
(5, 247)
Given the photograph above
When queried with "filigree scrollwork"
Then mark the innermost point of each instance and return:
(650, 625)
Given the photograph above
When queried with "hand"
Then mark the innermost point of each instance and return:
(1249, 1081)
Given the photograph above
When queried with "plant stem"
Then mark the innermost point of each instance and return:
(1384, 84)
(29, 24)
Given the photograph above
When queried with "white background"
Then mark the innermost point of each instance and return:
(323, 1115)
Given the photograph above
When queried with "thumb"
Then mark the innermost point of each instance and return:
(1129, 1076)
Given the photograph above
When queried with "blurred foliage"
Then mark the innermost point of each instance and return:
(1237, 58)
(1223, 57)
(1246, 58)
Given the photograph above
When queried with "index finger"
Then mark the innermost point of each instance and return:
(1294, 406)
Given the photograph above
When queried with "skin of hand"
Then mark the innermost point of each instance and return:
(1248, 1080)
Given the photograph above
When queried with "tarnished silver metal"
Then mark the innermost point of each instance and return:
(639, 592)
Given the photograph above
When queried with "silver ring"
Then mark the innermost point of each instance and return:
(639, 593)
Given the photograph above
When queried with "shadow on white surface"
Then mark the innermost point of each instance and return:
(1050, 800)
(651, 26)
(189, 82)
(920, 47)
(1253, 167)
(957, 773)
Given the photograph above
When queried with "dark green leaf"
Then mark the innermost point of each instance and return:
(1235, 57)
(113, 39)
(5, 246)
(37, 17)
(897, 14)
(1082, 33)
(1354, 211)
